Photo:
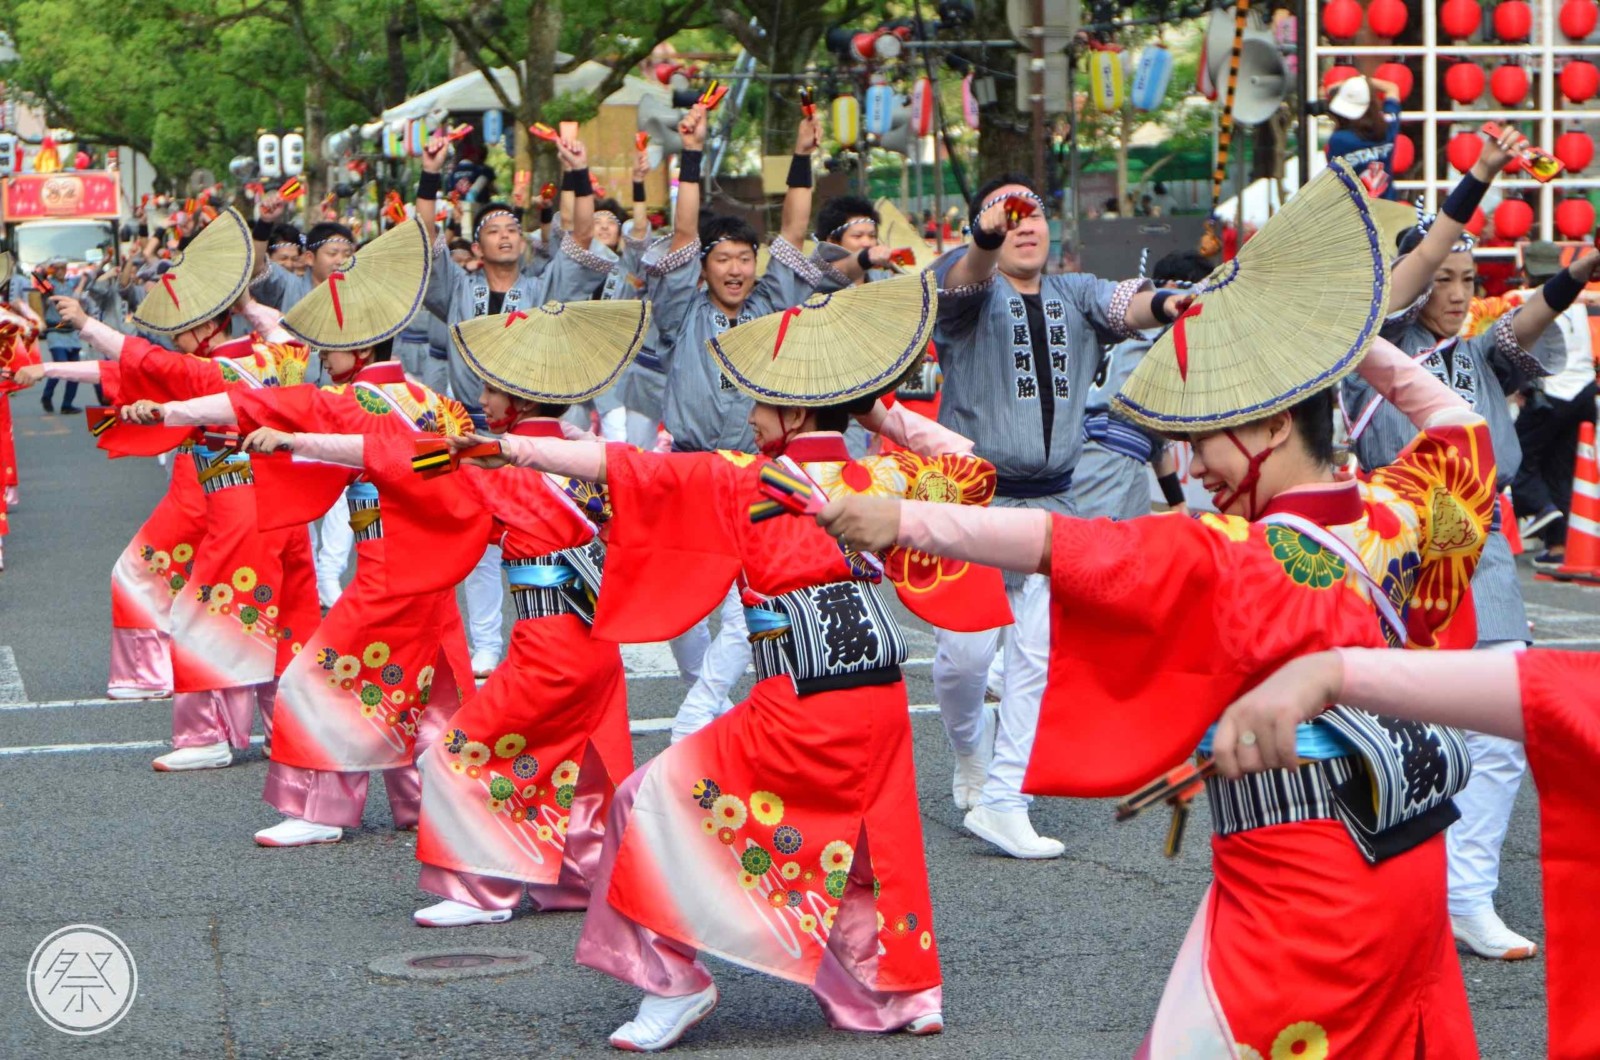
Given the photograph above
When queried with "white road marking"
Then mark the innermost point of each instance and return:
(637, 726)
(11, 690)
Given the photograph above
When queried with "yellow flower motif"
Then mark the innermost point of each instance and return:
(1230, 526)
(566, 773)
(561, 825)
(828, 915)
(530, 791)
(767, 807)
(510, 745)
(728, 811)
(790, 870)
(1301, 1041)
(837, 856)
(425, 677)
(244, 579)
(708, 826)
(875, 475)
(296, 648)
(546, 833)
(272, 611)
(183, 553)
(748, 880)
(346, 667)
(1247, 1052)
(475, 753)
(397, 696)
(737, 459)
(221, 594)
(457, 766)
(880, 921)
(161, 560)
(495, 805)
(376, 655)
(368, 711)
(927, 940)
(808, 923)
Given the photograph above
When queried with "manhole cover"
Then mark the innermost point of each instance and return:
(456, 964)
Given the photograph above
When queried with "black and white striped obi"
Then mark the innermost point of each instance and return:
(566, 582)
(361, 497)
(827, 637)
(220, 469)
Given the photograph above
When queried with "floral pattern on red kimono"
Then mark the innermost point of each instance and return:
(351, 699)
(250, 594)
(746, 837)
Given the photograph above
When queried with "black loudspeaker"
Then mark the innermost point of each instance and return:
(1111, 249)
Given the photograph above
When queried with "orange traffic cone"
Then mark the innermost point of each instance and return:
(1583, 524)
(1508, 523)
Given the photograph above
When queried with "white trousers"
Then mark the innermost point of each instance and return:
(961, 672)
(614, 425)
(1472, 844)
(335, 540)
(689, 651)
(725, 661)
(486, 596)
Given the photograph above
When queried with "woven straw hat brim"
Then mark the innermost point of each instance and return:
(559, 353)
(8, 269)
(1394, 219)
(376, 294)
(1293, 313)
(832, 348)
(896, 230)
(206, 278)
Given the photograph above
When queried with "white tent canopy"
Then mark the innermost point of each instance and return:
(1261, 199)
(473, 92)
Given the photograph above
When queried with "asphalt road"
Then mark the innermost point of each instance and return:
(245, 952)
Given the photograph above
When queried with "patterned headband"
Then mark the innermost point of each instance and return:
(842, 229)
(709, 247)
(324, 242)
(486, 218)
(1463, 244)
(607, 213)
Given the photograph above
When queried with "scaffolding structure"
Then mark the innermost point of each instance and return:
(1542, 120)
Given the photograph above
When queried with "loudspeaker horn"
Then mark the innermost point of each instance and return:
(1263, 79)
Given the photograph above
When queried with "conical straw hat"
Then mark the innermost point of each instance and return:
(896, 230)
(205, 278)
(376, 294)
(832, 348)
(1292, 314)
(1394, 219)
(560, 353)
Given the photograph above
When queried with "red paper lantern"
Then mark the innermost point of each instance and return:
(1460, 18)
(1513, 219)
(1579, 80)
(1575, 218)
(1475, 225)
(1387, 18)
(1464, 150)
(1337, 74)
(1342, 19)
(1405, 153)
(1578, 18)
(1509, 85)
(1575, 150)
(1400, 74)
(1513, 21)
(1463, 82)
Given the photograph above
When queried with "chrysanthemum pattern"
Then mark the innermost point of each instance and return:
(796, 880)
(242, 596)
(515, 783)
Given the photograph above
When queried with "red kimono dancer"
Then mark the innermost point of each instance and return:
(786, 835)
(382, 666)
(1547, 699)
(244, 602)
(515, 793)
(16, 349)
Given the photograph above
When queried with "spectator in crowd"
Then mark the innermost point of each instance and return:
(1366, 120)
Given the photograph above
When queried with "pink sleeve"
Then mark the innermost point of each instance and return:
(915, 432)
(73, 371)
(105, 339)
(573, 433)
(1475, 690)
(1411, 388)
(582, 460)
(265, 321)
(212, 410)
(347, 450)
(1009, 538)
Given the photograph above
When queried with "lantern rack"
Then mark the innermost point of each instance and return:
(1540, 121)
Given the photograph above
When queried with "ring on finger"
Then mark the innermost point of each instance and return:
(1247, 739)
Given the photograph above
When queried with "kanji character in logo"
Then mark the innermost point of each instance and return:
(846, 633)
